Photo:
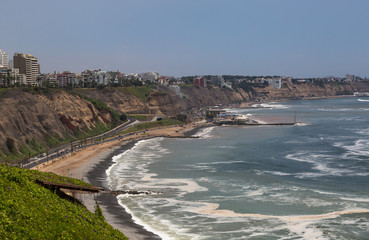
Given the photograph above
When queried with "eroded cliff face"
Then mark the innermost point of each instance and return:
(122, 102)
(304, 90)
(27, 117)
(168, 101)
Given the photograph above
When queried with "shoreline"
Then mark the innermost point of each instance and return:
(90, 165)
(114, 213)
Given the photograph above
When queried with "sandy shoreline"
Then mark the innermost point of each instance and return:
(90, 165)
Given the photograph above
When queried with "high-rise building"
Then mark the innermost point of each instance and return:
(200, 81)
(4, 59)
(28, 65)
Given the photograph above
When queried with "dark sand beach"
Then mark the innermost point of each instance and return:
(113, 212)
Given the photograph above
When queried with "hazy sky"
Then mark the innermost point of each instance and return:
(299, 38)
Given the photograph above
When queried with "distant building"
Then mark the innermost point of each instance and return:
(217, 81)
(50, 79)
(86, 77)
(116, 77)
(200, 81)
(164, 80)
(100, 77)
(16, 78)
(150, 76)
(63, 79)
(4, 59)
(28, 65)
(130, 77)
(275, 83)
(349, 78)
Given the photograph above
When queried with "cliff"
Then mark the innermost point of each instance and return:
(35, 121)
(306, 90)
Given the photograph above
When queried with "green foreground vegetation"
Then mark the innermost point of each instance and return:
(148, 125)
(30, 211)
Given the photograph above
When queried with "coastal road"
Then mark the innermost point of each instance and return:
(79, 144)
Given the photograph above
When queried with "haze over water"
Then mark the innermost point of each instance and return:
(308, 181)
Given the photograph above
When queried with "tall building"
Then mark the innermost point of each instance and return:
(28, 65)
(4, 59)
(200, 81)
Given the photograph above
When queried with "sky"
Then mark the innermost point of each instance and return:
(298, 38)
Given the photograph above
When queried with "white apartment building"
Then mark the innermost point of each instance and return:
(275, 83)
(4, 59)
(149, 76)
(100, 77)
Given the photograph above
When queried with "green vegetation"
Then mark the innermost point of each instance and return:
(30, 149)
(138, 117)
(53, 140)
(188, 85)
(99, 128)
(2, 91)
(148, 125)
(140, 92)
(30, 211)
(101, 106)
(42, 90)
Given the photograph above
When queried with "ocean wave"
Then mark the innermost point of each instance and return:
(205, 133)
(184, 186)
(278, 173)
(360, 147)
(366, 200)
(342, 109)
(270, 105)
(302, 124)
(153, 223)
(320, 163)
(363, 100)
(133, 163)
(364, 132)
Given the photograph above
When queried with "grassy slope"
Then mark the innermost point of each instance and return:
(143, 126)
(29, 211)
(140, 92)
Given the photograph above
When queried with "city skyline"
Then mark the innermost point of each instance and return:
(287, 38)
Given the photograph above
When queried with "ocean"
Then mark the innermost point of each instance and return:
(307, 181)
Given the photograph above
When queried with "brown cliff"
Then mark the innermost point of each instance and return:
(36, 120)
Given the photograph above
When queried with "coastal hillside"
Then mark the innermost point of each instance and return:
(34, 120)
(23, 217)
(166, 101)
